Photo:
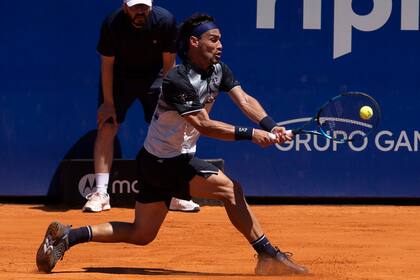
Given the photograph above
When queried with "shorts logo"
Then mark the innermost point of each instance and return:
(86, 184)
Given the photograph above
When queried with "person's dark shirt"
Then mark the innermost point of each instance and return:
(185, 90)
(138, 51)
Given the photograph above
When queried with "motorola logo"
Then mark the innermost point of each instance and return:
(87, 184)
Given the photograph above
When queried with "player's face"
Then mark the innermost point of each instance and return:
(138, 14)
(211, 46)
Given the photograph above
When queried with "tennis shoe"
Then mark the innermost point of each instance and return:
(183, 205)
(97, 202)
(280, 264)
(53, 247)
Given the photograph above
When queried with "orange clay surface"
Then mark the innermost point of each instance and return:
(334, 242)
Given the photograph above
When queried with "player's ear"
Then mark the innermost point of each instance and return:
(194, 41)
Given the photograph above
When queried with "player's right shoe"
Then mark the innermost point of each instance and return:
(97, 202)
(53, 246)
(280, 264)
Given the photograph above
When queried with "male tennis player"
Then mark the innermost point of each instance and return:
(167, 166)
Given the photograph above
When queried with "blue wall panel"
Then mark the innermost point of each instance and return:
(49, 75)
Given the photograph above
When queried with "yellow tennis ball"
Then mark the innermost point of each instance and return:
(366, 112)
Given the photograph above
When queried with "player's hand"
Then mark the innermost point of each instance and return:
(280, 132)
(105, 112)
(264, 138)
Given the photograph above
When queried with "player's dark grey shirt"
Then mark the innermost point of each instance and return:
(185, 90)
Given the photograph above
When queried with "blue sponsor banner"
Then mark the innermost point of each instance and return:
(291, 55)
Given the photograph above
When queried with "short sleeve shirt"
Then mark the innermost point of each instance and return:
(138, 51)
(185, 90)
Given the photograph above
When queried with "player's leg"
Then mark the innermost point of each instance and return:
(59, 238)
(147, 222)
(218, 186)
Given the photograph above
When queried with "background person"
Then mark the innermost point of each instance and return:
(137, 47)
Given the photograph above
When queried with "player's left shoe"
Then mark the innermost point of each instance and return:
(280, 264)
(53, 246)
(183, 205)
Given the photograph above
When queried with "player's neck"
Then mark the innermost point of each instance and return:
(201, 66)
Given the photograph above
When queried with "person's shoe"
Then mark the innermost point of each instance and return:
(281, 263)
(97, 202)
(183, 205)
(53, 246)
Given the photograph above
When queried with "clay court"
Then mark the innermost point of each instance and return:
(334, 242)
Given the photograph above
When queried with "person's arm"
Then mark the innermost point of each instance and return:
(168, 62)
(107, 109)
(220, 130)
(248, 104)
(107, 77)
(254, 111)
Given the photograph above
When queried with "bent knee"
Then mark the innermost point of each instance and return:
(143, 239)
(107, 131)
(229, 192)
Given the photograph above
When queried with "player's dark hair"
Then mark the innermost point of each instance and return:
(185, 32)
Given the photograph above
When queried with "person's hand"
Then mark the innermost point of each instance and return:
(105, 112)
(280, 132)
(264, 138)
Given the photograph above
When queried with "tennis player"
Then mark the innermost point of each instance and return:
(167, 166)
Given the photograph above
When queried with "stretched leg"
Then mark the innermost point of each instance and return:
(59, 238)
(148, 219)
(230, 193)
(270, 259)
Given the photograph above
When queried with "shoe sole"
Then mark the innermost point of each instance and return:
(277, 268)
(43, 260)
(197, 209)
(96, 210)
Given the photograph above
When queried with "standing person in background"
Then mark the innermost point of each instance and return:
(189, 92)
(137, 47)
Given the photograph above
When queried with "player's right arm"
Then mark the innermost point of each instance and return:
(106, 109)
(220, 130)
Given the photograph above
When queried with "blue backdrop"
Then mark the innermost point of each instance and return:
(291, 55)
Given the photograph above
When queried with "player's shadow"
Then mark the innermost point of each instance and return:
(155, 271)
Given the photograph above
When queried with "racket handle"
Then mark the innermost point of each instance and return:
(272, 136)
(290, 133)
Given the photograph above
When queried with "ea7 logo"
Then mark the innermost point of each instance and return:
(243, 129)
(86, 184)
(345, 19)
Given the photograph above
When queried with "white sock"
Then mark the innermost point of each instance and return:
(102, 180)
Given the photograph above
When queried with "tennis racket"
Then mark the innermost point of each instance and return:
(348, 117)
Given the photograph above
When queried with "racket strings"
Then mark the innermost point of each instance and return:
(341, 118)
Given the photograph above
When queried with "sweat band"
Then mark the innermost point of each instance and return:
(243, 133)
(267, 123)
(202, 28)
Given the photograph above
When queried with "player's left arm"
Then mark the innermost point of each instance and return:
(255, 112)
(248, 104)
